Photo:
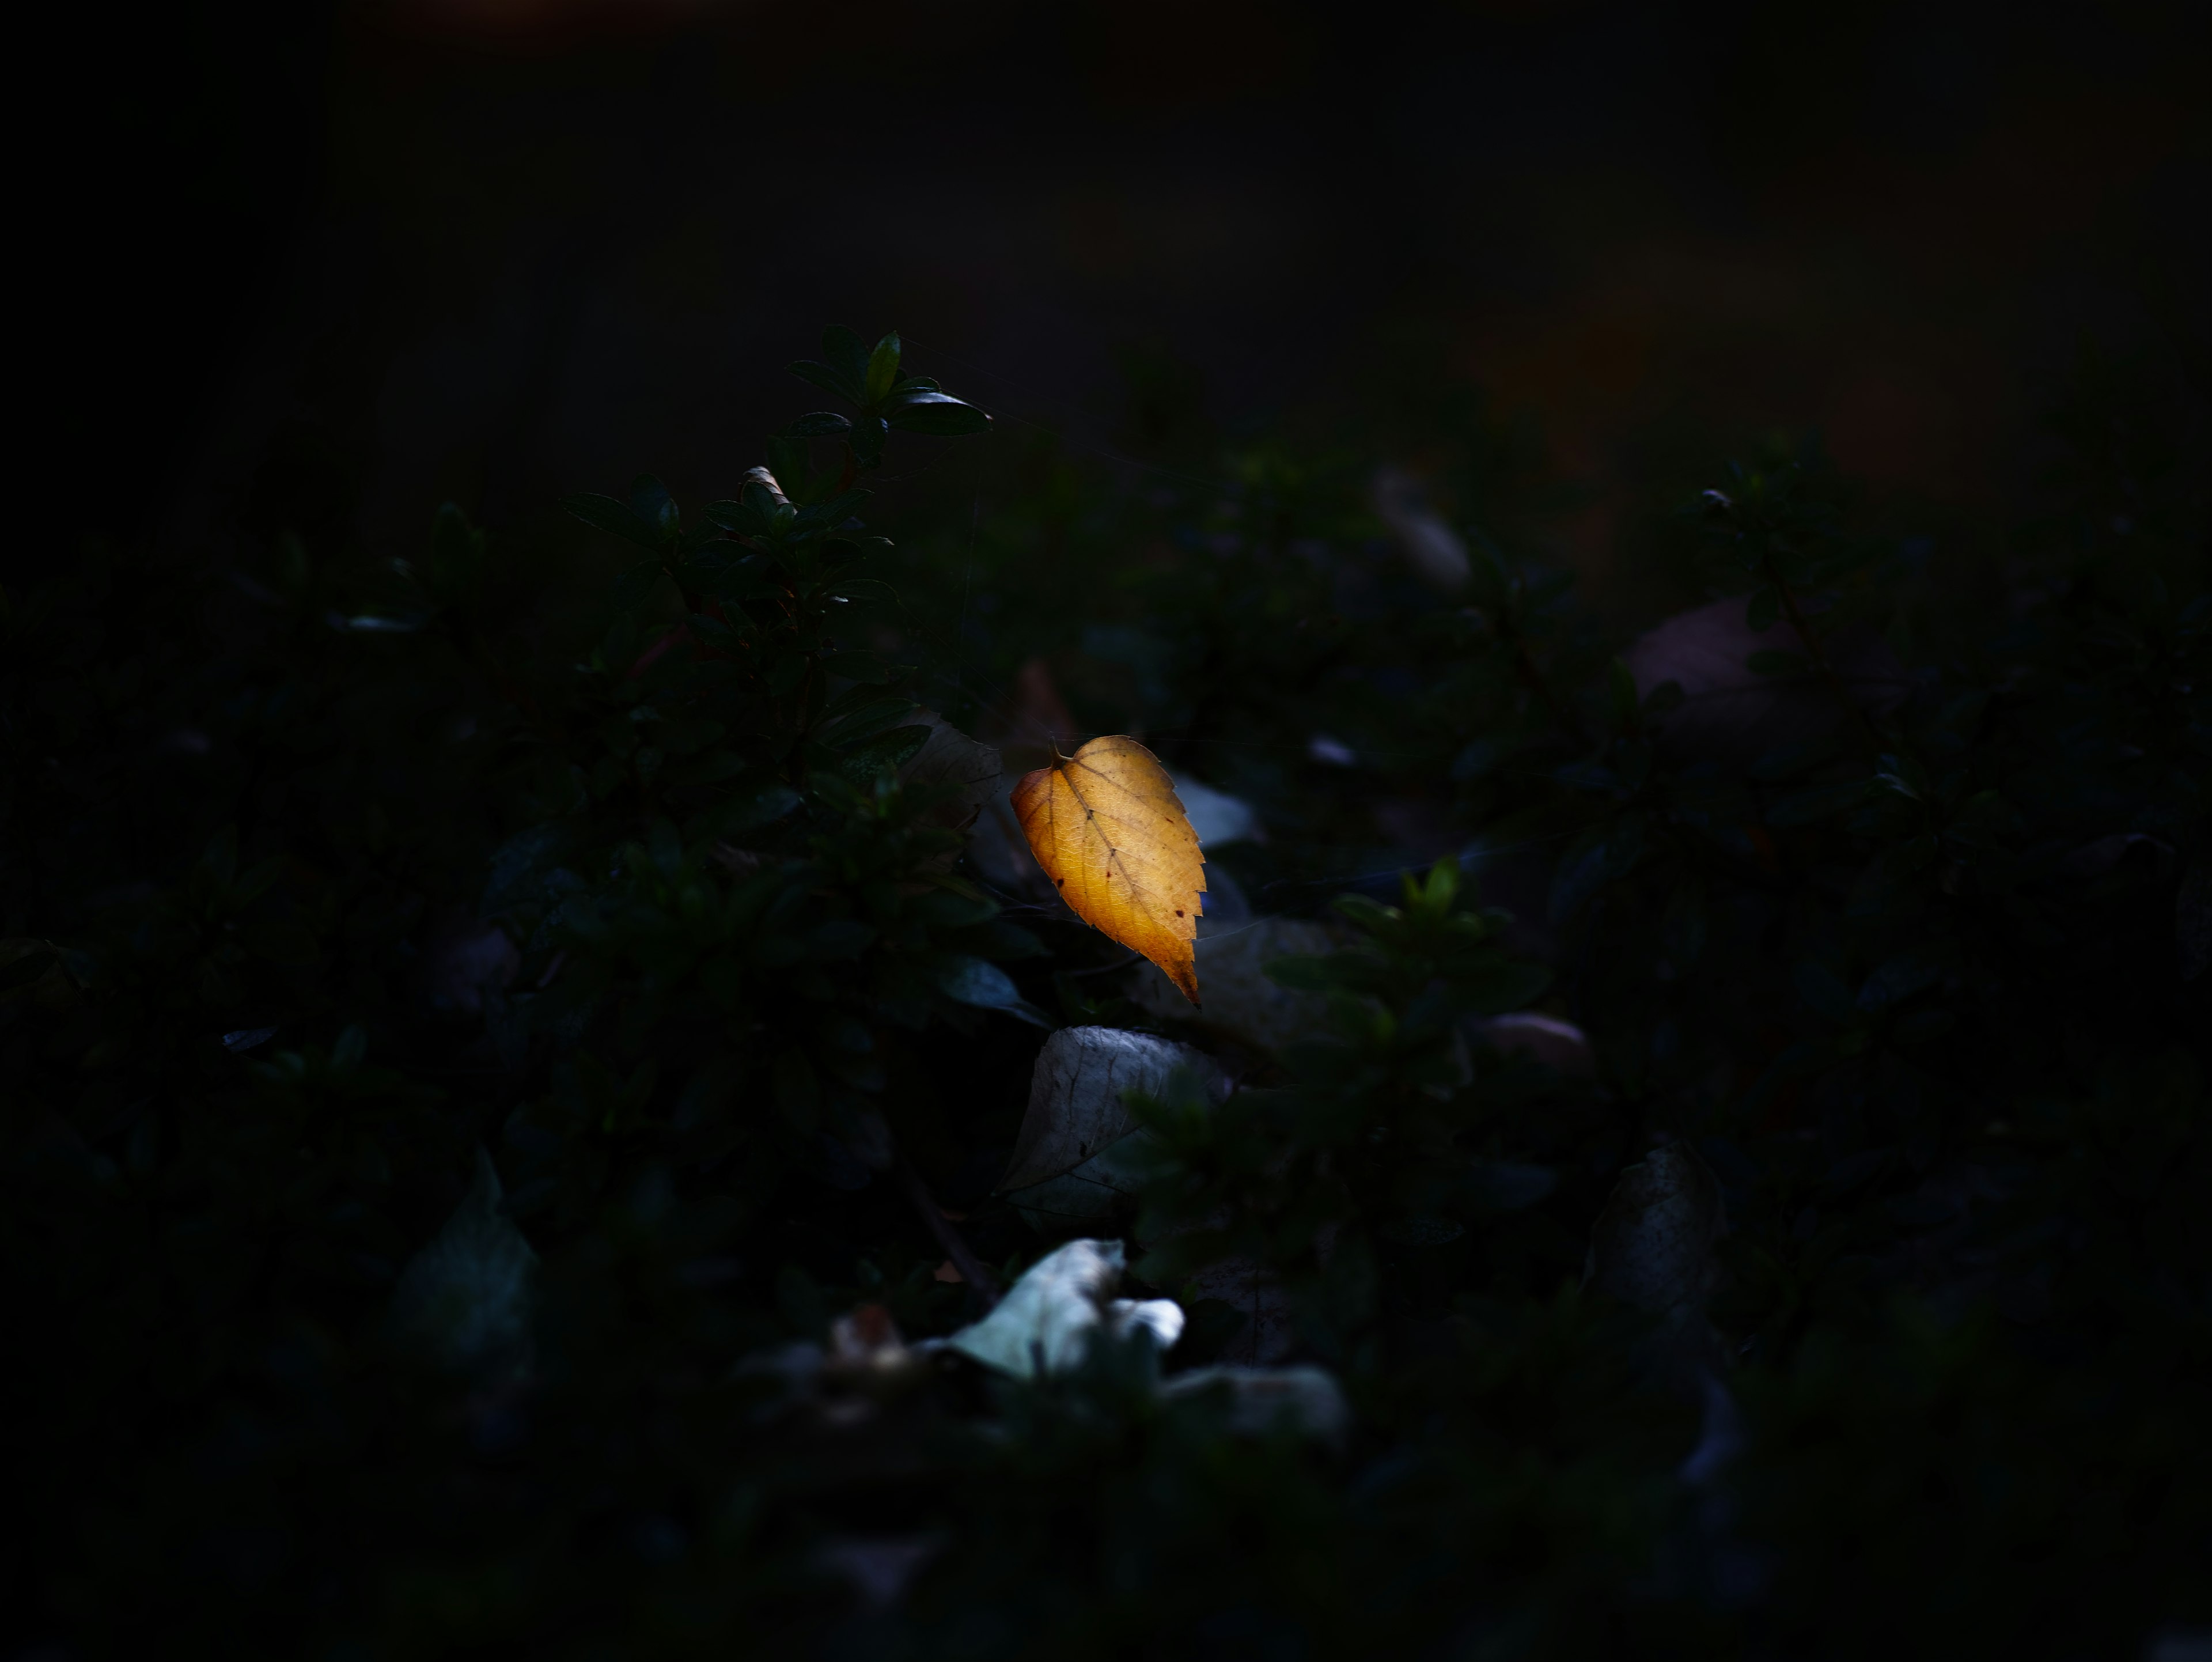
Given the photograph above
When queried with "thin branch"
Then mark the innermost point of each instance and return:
(956, 1249)
(1820, 662)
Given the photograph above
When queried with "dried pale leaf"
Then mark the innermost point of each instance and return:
(1653, 1244)
(1084, 1201)
(1048, 1318)
(965, 770)
(865, 1343)
(1110, 830)
(465, 1298)
(1239, 998)
(1160, 1318)
(1075, 1110)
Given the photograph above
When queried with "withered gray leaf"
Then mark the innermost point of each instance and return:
(1076, 1112)
(967, 769)
(1653, 1244)
(465, 1298)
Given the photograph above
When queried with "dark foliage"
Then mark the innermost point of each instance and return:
(460, 1036)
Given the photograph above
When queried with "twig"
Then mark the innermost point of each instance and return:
(1821, 665)
(1108, 969)
(962, 1256)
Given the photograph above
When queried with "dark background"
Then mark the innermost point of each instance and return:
(321, 272)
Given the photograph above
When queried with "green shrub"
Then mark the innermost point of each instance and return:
(460, 1038)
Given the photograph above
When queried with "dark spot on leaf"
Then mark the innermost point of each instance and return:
(1178, 912)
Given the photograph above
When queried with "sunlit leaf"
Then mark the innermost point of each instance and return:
(1108, 828)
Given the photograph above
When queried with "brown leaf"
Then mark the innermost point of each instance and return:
(1110, 830)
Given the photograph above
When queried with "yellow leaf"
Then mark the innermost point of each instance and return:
(1110, 830)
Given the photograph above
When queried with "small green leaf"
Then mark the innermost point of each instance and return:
(605, 514)
(1304, 974)
(633, 587)
(23, 961)
(867, 441)
(655, 507)
(889, 750)
(845, 354)
(966, 979)
(936, 414)
(735, 518)
(1766, 606)
(828, 380)
(883, 367)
